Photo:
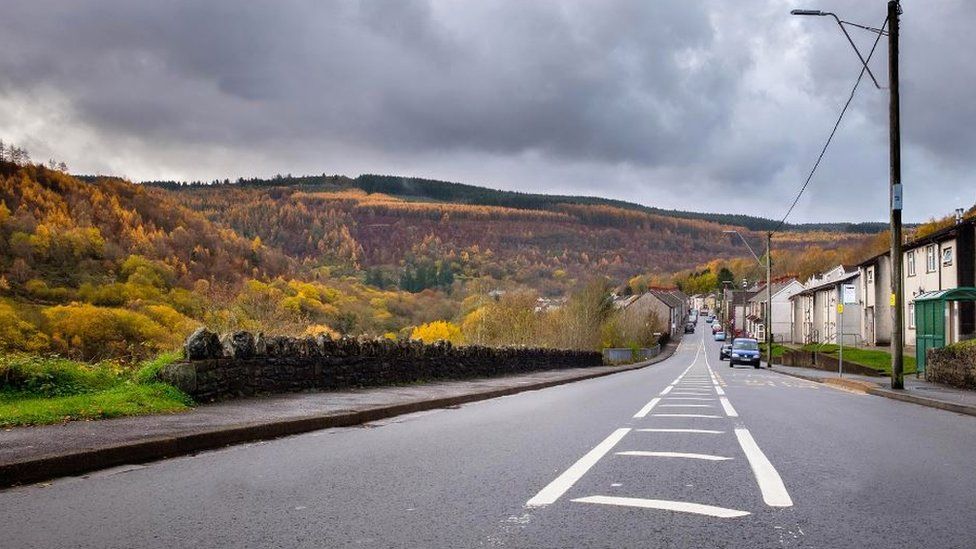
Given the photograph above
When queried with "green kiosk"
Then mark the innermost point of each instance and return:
(931, 315)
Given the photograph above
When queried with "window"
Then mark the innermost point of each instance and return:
(911, 315)
(911, 263)
(947, 256)
(930, 258)
(870, 275)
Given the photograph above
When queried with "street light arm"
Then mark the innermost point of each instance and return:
(864, 62)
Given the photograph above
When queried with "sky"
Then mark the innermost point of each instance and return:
(705, 105)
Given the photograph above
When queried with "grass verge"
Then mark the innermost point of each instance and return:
(38, 390)
(871, 358)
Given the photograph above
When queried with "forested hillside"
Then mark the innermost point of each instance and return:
(99, 267)
(443, 191)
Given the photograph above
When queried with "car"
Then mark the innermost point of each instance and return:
(745, 350)
(709, 319)
(720, 336)
(716, 328)
(725, 352)
(689, 328)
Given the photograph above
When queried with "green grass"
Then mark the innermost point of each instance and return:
(36, 390)
(778, 350)
(871, 358)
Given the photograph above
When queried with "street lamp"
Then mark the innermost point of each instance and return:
(895, 189)
(768, 313)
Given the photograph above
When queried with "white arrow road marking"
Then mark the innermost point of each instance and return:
(665, 505)
(706, 457)
(555, 489)
(688, 415)
(770, 483)
(727, 406)
(647, 408)
(701, 431)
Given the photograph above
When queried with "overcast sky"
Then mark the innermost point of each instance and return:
(702, 105)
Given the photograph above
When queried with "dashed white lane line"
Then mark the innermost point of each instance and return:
(688, 415)
(555, 489)
(667, 389)
(699, 431)
(686, 455)
(647, 408)
(665, 505)
(727, 406)
(770, 483)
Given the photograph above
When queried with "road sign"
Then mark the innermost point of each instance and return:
(849, 293)
(840, 308)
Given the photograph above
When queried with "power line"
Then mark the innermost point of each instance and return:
(833, 131)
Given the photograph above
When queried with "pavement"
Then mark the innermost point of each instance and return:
(688, 453)
(31, 454)
(916, 391)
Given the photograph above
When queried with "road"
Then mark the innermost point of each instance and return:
(686, 453)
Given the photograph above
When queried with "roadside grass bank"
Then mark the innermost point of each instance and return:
(38, 390)
(778, 350)
(870, 358)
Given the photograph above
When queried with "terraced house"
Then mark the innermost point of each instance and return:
(943, 260)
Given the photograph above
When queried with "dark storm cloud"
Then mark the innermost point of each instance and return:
(639, 95)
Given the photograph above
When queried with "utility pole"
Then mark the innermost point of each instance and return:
(894, 114)
(768, 317)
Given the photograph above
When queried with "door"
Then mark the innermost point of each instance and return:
(869, 325)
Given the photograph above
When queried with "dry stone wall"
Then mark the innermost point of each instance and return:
(953, 365)
(244, 364)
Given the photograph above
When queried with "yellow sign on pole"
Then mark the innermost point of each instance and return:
(840, 308)
(892, 300)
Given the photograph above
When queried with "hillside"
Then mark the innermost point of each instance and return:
(459, 193)
(99, 267)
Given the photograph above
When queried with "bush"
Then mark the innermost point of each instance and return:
(91, 332)
(438, 330)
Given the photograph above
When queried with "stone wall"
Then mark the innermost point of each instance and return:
(241, 364)
(954, 365)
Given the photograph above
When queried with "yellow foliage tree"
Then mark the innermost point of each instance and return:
(439, 330)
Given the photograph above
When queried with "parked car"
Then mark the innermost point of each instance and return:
(689, 327)
(709, 319)
(720, 336)
(745, 350)
(716, 328)
(725, 352)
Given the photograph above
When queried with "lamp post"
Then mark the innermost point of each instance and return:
(768, 311)
(895, 187)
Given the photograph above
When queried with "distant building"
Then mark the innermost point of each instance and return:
(815, 315)
(783, 289)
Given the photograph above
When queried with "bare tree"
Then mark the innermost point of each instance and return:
(3, 151)
(62, 167)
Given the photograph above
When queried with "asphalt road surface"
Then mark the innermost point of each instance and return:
(685, 453)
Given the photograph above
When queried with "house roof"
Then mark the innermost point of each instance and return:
(778, 286)
(813, 289)
(938, 236)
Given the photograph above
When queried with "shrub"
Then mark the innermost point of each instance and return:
(53, 376)
(439, 330)
(93, 332)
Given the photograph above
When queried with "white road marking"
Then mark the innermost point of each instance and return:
(700, 431)
(719, 390)
(665, 505)
(688, 415)
(770, 483)
(727, 406)
(555, 489)
(687, 406)
(667, 389)
(647, 408)
(691, 393)
(701, 399)
(706, 457)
